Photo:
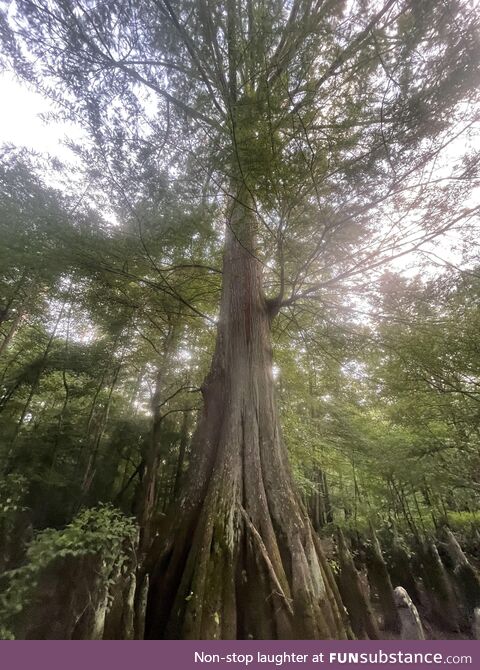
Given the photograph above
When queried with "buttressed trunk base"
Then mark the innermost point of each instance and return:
(240, 558)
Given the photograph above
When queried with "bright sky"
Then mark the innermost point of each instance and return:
(21, 125)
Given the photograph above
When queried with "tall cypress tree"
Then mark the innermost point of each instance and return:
(316, 123)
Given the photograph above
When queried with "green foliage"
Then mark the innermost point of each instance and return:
(103, 532)
(12, 493)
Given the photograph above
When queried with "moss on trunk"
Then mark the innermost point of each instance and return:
(239, 558)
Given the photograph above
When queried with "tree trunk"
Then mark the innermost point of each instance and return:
(20, 311)
(326, 499)
(11, 332)
(318, 504)
(35, 385)
(147, 494)
(239, 558)
(182, 451)
(90, 466)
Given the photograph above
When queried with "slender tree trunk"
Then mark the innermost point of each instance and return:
(61, 416)
(96, 426)
(182, 450)
(35, 384)
(326, 499)
(11, 331)
(318, 503)
(146, 499)
(240, 558)
(90, 467)
(21, 309)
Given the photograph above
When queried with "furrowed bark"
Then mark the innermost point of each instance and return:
(239, 558)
